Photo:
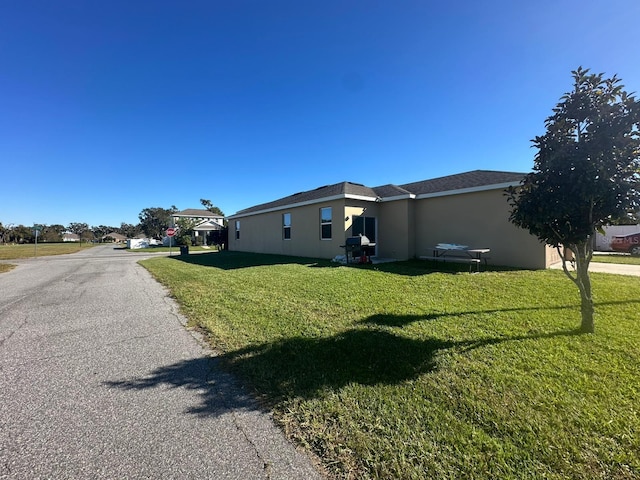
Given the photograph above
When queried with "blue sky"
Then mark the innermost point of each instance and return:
(107, 108)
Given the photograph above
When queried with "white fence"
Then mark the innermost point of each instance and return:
(603, 242)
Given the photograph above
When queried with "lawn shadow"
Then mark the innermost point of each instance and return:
(226, 260)
(393, 320)
(218, 391)
(304, 368)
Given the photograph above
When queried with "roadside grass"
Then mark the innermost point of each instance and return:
(401, 371)
(8, 252)
(5, 267)
(624, 258)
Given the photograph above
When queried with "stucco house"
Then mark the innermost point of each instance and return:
(404, 221)
(206, 222)
(70, 237)
(115, 236)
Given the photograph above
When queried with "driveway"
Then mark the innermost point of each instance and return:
(100, 379)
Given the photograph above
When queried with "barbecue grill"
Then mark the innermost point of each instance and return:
(360, 248)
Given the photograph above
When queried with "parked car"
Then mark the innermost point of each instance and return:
(626, 243)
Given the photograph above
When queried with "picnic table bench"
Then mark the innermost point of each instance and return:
(453, 252)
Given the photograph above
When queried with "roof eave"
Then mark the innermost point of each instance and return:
(460, 191)
(288, 206)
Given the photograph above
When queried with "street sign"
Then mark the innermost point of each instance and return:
(171, 232)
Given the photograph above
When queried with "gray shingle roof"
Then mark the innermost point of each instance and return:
(476, 178)
(195, 212)
(343, 188)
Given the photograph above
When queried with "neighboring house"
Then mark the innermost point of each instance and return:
(70, 237)
(404, 221)
(117, 237)
(207, 222)
(199, 215)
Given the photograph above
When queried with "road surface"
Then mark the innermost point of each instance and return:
(99, 379)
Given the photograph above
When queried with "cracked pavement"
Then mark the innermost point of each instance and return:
(100, 379)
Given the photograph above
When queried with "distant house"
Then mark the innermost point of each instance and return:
(404, 221)
(70, 237)
(117, 237)
(206, 222)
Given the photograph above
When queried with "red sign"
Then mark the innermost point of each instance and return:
(171, 232)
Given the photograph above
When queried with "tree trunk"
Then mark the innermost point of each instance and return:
(583, 253)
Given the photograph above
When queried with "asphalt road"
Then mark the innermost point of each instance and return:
(99, 379)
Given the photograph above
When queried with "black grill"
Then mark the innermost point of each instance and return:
(359, 249)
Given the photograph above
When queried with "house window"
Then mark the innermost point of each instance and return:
(237, 229)
(364, 226)
(286, 226)
(325, 223)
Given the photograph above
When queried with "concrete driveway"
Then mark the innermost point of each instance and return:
(99, 379)
(617, 268)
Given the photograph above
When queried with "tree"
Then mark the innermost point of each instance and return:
(211, 207)
(52, 233)
(78, 228)
(154, 221)
(586, 174)
(21, 234)
(128, 230)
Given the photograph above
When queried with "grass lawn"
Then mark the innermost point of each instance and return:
(44, 249)
(5, 267)
(617, 258)
(399, 371)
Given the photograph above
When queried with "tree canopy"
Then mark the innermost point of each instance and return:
(586, 173)
(154, 221)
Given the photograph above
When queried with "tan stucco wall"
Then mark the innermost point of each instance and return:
(480, 220)
(263, 233)
(396, 227)
(406, 229)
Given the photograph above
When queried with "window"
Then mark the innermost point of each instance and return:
(325, 223)
(364, 226)
(237, 229)
(286, 226)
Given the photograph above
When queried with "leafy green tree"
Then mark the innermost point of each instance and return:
(52, 233)
(586, 174)
(21, 234)
(128, 230)
(154, 221)
(78, 228)
(211, 207)
(186, 230)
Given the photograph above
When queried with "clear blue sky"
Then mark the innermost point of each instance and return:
(109, 107)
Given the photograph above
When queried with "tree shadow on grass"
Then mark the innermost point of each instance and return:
(304, 368)
(226, 260)
(393, 320)
(217, 391)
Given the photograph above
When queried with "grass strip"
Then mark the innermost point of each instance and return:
(8, 252)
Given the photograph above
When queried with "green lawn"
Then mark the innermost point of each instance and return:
(5, 267)
(44, 249)
(399, 371)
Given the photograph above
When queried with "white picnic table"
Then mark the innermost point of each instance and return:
(457, 252)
